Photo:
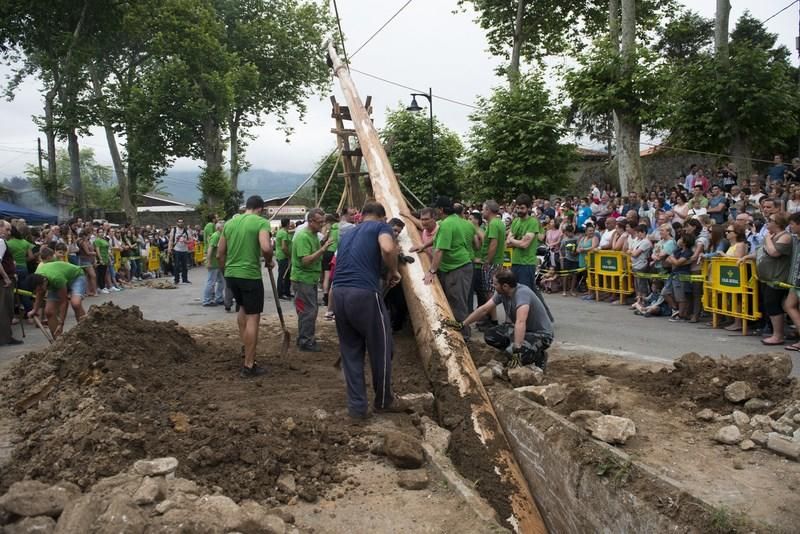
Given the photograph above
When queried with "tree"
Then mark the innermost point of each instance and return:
(515, 144)
(742, 104)
(427, 170)
(97, 179)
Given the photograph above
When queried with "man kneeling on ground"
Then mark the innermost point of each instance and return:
(63, 283)
(527, 332)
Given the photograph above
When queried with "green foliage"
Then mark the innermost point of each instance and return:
(515, 144)
(686, 36)
(330, 200)
(598, 87)
(217, 195)
(754, 95)
(426, 169)
(97, 179)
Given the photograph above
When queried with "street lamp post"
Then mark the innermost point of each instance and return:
(414, 107)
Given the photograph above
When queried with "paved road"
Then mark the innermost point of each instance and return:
(580, 325)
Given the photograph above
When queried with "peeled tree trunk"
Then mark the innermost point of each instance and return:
(74, 151)
(516, 51)
(460, 396)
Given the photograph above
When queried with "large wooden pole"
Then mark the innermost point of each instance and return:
(479, 444)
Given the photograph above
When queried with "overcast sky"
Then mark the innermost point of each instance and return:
(429, 44)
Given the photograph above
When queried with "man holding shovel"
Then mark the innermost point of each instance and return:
(244, 240)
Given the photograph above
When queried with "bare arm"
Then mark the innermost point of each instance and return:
(520, 324)
(482, 311)
(222, 252)
(389, 254)
(266, 246)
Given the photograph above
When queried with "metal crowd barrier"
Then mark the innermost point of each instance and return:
(730, 289)
(609, 272)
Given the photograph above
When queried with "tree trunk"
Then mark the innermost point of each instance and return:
(75, 170)
(740, 154)
(613, 38)
(628, 125)
(721, 31)
(213, 155)
(235, 167)
(443, 351)
(513, 67)
(51, 183)
(128, 206)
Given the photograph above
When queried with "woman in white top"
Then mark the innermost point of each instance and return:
(793, 204)
(681, 209)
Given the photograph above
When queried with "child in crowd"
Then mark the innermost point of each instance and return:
(639, 250)
(569, 260)
(677, 290)
(654, 304)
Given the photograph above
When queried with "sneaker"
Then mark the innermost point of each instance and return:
(14, 341)
(186, 282)
(209, 304)
(105, 291)
(252, 372)
(116, 289)
(674, 314)
(310, 348)
(329, 316)
(637, 312)
(677, 319)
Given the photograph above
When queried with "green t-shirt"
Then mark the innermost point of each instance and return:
(59, 273)
(451, 239)
(305, 243)
(243, 252)
(19, 250)
(102, 247)
(208, 229)
(213, 241)
(497, 231)
(334, 237)
(519, 228)
(280, 237)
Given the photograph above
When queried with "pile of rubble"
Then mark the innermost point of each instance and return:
(777, 431)
(147, 496)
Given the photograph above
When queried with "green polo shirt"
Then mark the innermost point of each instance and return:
(59, 273)
(281, 236)
(102, 247)
(243, 250)
(207, 231)
(305, 243)
(451, 239)
(519, 228)
(495, 230)
(212, 244)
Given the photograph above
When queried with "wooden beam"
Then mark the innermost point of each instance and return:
(447, 360)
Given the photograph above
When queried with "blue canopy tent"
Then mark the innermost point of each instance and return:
(12, 211)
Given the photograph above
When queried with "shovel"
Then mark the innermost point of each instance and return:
(286, 336)
(46, 331)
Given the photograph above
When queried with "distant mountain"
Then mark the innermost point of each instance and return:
(182, 185)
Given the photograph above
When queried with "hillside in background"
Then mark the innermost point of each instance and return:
(182, 185)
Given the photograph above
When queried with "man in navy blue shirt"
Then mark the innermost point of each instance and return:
(361, 317)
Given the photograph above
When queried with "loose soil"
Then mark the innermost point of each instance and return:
(662, 402)
(117, 388)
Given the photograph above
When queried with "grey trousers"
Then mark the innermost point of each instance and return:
(362, 322)
(457, 285)
(305, 304)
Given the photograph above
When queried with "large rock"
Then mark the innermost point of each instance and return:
(413, 479)
(738, 391)
(286, 483)
(548, 395)
(486, 375)
(740, 419)
(759, 437)
(157, 467)
(601, 394)
(151, 490)
(756, 405)
(434, 435)
(121, 516)
(582, 417)
(498, 369)
(728, 435)
(783, 446)
(421, 403)
(32, 525)
(255, 518)
(525, 375)
(706, 414)
(404, 451)
(612, 429)
(762, 422)
(782, 427)
(30, 498)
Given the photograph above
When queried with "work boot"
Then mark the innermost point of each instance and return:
(396, 405)
(252, 372)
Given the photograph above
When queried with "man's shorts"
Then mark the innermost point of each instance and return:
(677, 288)
(327, 256)
(77, 288)
(249, 294)
(487, 276)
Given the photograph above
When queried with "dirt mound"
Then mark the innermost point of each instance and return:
(703, 379)
(118, 387)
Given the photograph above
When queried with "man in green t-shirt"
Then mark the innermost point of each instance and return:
(452, 259)
(283, 253)
(332, 223)
(214, 292)
(523, 239)
(244, 240)
(63, 283)
(306, 270)
(210, 228)
(491, 253)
